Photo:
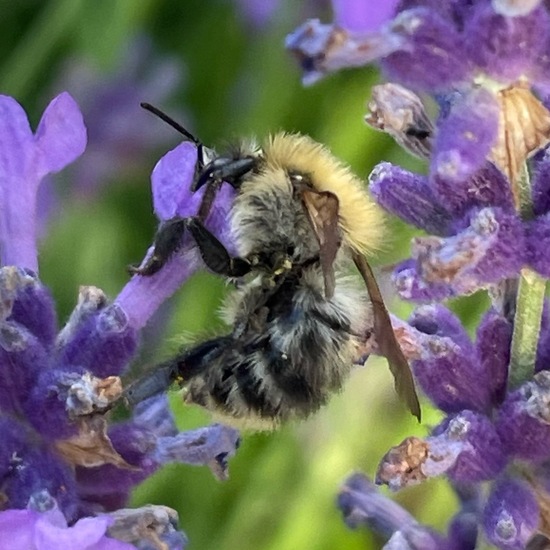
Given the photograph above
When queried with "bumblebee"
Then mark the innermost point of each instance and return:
(300, 220)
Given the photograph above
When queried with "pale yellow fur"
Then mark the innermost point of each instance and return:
(359, 216)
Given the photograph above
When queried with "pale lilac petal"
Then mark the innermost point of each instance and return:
(361, 16)
(60, 136)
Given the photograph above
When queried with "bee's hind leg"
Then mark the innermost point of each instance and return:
(168, 240)
(214, 254)
(179, 369)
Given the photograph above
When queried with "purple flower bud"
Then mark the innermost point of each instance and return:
(32, 304)
(410, 197)
(103, 344)
(211, 446)
(506, 47)
(431, 56)
(481, 455)
(15, 438)
(511, 516)
(154, 414)
(490, 249)
(466, 447)
(41, 470)
(494, 338)
(159, 521)
(362, 503)
(417, 537)
(321, 49)
(523, 422)
(447, 368)
(464, 139)
(22, 359)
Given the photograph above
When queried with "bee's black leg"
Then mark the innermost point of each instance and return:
(214, 254)
(167, 241)
(169, 238)
(230, 170)
(180, 368)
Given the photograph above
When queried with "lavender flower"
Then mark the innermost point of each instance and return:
(485, 205)
(66, 469)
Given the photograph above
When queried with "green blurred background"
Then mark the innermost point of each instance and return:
(221, 69)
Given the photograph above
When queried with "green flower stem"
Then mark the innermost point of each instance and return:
(529, 304)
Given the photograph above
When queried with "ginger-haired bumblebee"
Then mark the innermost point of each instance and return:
(300, 219)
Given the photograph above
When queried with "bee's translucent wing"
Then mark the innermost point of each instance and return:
(386, 340)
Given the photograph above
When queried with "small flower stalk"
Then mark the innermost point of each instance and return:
(67, 469)
(484, 207)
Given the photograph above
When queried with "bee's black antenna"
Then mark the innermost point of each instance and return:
(169, 120)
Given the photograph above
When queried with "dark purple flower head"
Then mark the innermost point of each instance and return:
(511, 516)
(486, 66)
(57, 386)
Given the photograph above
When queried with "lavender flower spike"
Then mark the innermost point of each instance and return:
(25, 158)
(63, 462)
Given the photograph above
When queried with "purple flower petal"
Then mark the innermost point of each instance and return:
(15, 439)
(511, 516)
(410, 197)
(489, 250)
(431, 55)
(154, 414)
(103, 344)
(41, 470)
(142, 296)
(447, 368)
(523, 422)
(210, 446)
(34, 308)
(481, 456)
(537, 234)
(130, 524)
(486, 187)
(31, 530)
(494, 337)
(362, 17)
(24, 160)
(463, 142)
(410, 286)
(506, 47)
(60, 136)
(171, 183)
(361, 503)
(321, 49)
(22, 358)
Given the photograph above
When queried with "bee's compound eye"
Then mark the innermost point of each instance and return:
(290, 249)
